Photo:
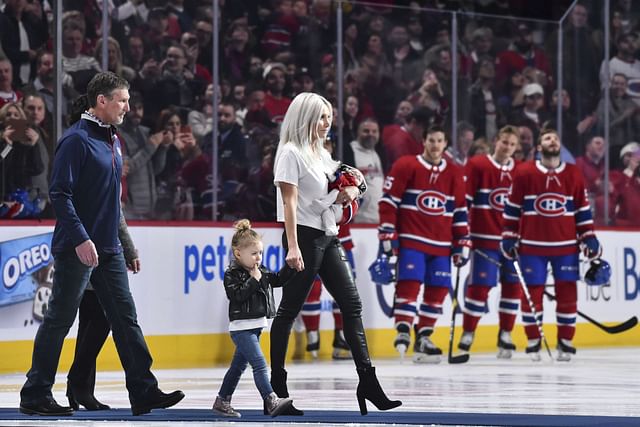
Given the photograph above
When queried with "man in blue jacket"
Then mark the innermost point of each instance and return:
(85, 195)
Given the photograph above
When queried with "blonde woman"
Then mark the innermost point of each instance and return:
(300, 175)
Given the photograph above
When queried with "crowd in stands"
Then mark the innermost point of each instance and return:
(398, 71)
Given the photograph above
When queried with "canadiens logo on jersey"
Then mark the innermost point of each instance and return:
(498, 197)
(550, 204)
(432, 203)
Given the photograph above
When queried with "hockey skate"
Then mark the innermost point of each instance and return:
(341, 350)
(533, 349)
(565, 350)
(403, 339)
(425, 351)
(465, 341)
(505, 345)
(313, 343)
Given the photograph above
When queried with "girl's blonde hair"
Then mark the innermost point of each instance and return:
(244, 234)
(299, 127)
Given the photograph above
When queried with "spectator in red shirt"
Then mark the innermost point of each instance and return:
(520, 54)
(591, 164)
(274, 81)
(628, 206)
(407, 140)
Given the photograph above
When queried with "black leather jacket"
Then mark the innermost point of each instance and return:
(248, 298)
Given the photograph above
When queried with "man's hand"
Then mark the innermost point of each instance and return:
(509, 245)
(87, 253)
(591, 247)
(133, 265)
(460, 255)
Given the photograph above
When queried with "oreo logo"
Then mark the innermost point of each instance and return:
(432, 203)
(550, 205)
(497, 198)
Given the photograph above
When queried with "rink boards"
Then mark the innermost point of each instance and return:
(182, 307)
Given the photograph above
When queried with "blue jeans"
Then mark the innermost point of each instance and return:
(111, 285)
(247, 352)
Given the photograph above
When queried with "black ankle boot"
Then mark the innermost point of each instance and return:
(279, 385)
(369, 388)
(79, 397)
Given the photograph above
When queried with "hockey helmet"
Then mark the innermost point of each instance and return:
(598, 274)
(383, 270)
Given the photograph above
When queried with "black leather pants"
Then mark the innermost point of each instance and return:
(323, 255)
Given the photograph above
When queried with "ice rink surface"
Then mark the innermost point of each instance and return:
(597, 382)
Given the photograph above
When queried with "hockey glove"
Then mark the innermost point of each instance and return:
(509, 245)
(388, 241)
(460, 255)
(383, 271)
(591, 247)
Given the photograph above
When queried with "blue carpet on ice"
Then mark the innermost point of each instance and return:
(339, 417)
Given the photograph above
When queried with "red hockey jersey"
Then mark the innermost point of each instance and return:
(548, 209)
(488, 185)
(425, 205)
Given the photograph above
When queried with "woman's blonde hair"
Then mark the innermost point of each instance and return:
(4, 111)
(299, 128)
(244, 235)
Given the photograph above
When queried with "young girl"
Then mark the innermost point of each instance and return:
(249, 288)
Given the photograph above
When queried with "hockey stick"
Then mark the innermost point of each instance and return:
(516, 266)
(615, 329)
(461, 358)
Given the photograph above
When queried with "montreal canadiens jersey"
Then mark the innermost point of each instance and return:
(548, 209)
(488, 185)
(425, 204)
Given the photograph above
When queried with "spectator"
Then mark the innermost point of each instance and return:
(201, 119)
(43, 83)
(626, 63)
(570, 138)
(176, 85)
(80, 67)
(23, 30)
(520, 53)
(146, 157)
(204, 32)
(628, 207)
(237, 54)
(275, 103)
(36, 114)
(512, 97)
(431, 96)
(416, 37)
(624, 120)
(481, 49)
(177, 9)
(349, 46)
(581, 59)
(182, 149)
(135, 53)
(160, 32)
(114, 61)
(190, 43)
(591, 164)
(532, 113)
(406, 61)
(365, 154)
(7, 93)
(20, 155)
(479, 147)
(483, 112)
(349, 128)
(458, 151)
(407, 139)
(527, 138)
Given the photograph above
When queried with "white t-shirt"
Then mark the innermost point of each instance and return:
(368, 162)
(312, 183)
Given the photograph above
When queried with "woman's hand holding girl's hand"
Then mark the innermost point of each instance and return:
(294, 258)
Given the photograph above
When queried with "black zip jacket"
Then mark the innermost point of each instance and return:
(249, 298)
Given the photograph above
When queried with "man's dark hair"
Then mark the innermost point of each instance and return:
(422, 116)
(104, 83)
(433, 129)
(545, 131)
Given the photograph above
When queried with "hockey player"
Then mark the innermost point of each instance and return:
(546, 217)
(488, 181)
(423, 211)
(312, 308)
